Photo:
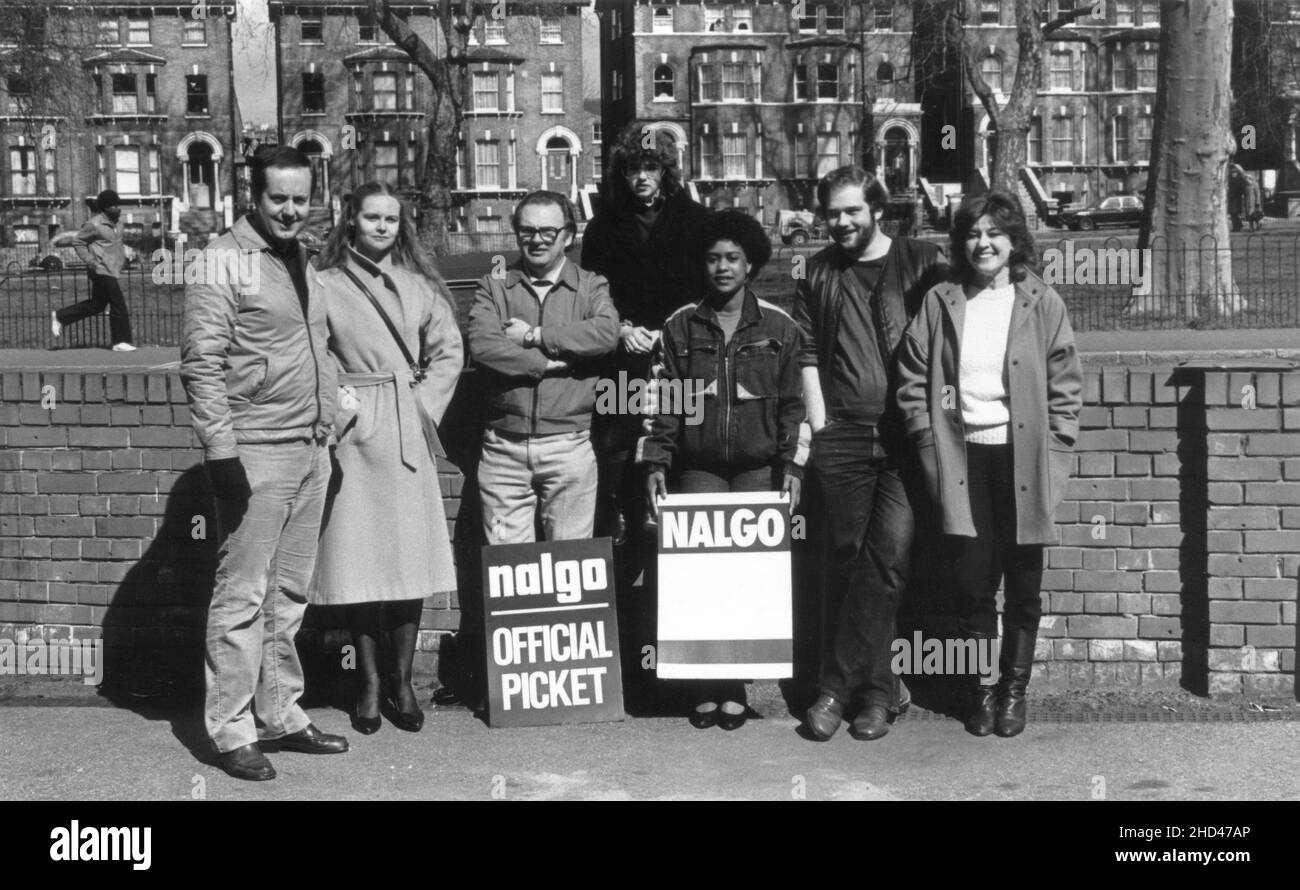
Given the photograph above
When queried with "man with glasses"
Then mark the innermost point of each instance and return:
(536, 333)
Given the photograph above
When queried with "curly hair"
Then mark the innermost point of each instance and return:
(744, 230)
(639, 147)
(1004, 209)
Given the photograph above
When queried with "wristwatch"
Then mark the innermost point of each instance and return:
(530, 338)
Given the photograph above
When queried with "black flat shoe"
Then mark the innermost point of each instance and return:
(446, 697)
(367, 725)
(729, 721)
(408, 721)
(705, 719)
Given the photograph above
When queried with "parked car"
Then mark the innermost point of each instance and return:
(1117, 210)
(798, 226)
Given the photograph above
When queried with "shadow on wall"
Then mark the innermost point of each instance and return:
(1193, 552)
(154, 627)
(460, 655)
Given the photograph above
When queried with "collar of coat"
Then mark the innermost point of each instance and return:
(362, 263)
(952, 297)
(750, 312)
(623, 223)
(247, 237)
(101, 219)
(517, 277)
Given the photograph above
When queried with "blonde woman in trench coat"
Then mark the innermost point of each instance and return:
(990, 389)
(384, 544)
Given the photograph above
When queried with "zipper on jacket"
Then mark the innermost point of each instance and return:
(727, 385)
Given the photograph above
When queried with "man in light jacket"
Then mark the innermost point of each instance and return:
(262, 389)
(536, 331)
(99, 245)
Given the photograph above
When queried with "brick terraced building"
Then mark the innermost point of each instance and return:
(141, 102)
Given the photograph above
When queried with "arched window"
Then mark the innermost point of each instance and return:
(885, 73)
(991, 70)
(665, 83)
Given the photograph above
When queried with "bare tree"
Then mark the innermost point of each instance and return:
(446, 68)
(43, 72)
(1187, 223)
(1009, 121)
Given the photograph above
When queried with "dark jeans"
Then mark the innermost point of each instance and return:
(104, 291)
(980, 563)
(868, 530)
(706, 482)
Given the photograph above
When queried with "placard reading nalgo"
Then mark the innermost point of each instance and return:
(552, 633)
(724, 587)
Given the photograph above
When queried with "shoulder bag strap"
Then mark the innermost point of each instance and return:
(419, 372)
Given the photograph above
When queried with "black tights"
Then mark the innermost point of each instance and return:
(399, 620)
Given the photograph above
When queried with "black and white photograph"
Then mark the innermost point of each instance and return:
(873, 401)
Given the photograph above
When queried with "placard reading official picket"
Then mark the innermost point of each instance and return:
(552, 633)
(724, 587)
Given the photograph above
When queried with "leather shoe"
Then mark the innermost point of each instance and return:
(312, 741)
(247, 763)
(980, 718)
(705, 719)
(824, 717)
(730, 721)
(900, 707)
(408, 721)
(367, 725)
(871, 723)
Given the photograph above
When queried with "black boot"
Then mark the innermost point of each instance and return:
(1016, 665)
(982, 702)
(979, 699)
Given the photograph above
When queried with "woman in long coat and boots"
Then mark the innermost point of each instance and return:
(384, 543)
(990, 389)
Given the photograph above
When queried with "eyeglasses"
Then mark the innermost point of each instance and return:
(548, 234)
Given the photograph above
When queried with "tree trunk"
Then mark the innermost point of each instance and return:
(447, 80)
(1009, 123)
(1187, 181)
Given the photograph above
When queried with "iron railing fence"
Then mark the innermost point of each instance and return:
(1106, 285)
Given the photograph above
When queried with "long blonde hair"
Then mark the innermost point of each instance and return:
(407, 251)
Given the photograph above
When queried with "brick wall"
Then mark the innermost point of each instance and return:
(1179, 535)
(1178, 561)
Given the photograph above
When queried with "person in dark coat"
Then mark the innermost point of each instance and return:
(642, 240)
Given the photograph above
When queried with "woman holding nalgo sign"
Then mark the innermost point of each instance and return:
(744, 353)
(990, 390)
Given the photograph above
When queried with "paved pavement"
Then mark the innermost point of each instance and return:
(99, 753)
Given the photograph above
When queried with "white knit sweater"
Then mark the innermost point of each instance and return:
(984, 406)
